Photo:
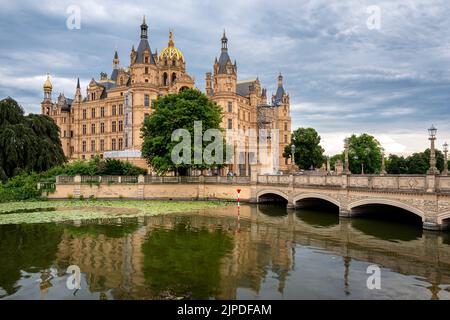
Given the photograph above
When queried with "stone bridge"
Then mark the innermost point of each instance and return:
(428, 197)
(425, 196)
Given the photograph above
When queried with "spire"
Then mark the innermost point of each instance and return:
(171, 42)
(144, 29)
(48, 84)
(224, 41)
(78, 96)
(280, 90)
(144, 46)
(116, 60)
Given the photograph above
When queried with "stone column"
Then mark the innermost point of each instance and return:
(347, 166)
(383, 167)
(291, 204)
(445, 172)
(254, 170)
(433, 170)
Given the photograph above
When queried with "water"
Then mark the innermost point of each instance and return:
(269, 253)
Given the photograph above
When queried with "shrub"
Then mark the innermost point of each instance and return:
(20, 187)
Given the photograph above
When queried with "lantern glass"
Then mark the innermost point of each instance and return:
(432, 131)
(293, 148)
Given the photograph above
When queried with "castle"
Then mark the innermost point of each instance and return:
(108, 119)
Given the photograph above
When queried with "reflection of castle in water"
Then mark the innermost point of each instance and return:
(264, 244)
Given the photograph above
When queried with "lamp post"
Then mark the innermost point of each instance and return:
(347, 169)
(383, 167)
(445, 172)
(293, 156)
(328, 165)
(433, 170)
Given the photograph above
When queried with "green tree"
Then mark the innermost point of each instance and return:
(27, 143)
(396, 165)
(172, 112)
(364, 150)
(335, 158)
(308, 151)
(419, 162)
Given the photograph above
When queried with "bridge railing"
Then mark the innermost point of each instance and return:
(416, 183)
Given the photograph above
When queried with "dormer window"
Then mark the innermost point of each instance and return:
(146, 60)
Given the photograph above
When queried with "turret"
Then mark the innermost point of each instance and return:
(48, 89)
(225, 72)
(78, 96)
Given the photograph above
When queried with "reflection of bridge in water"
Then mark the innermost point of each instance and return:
(422, 253)
(265, 243)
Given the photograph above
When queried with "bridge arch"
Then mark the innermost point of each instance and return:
(388, 202)
(268, 192)
(317, 196)
(443, 216)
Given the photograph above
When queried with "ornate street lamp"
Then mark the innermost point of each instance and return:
(292, 155)
(433, 170)
(346, 143)
(445, 172)
(383, 167)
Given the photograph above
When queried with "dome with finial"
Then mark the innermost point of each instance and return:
(48, 84)
(171, 52)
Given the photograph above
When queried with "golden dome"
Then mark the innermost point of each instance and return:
(48, 84)
(171, 52)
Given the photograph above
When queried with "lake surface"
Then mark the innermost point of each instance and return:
(265, 253)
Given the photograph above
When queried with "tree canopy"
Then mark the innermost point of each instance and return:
(27, 143)
(417, 163)
(364, 150)
(171, 113)
(308, 151)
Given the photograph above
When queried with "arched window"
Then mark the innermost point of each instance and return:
(174, 77)
(165, 79)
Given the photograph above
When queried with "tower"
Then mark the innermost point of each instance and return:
(172, 64)
(48, 88)
(225, 72)
(282, 119)
(46, 105)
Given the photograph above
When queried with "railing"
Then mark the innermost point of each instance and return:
(64, 179)
(152, 179)
(415, 183)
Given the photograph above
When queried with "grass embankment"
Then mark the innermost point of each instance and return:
(59, 211)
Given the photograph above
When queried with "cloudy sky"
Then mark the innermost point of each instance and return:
(343, 77)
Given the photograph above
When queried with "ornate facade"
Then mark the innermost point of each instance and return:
(108, 119)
